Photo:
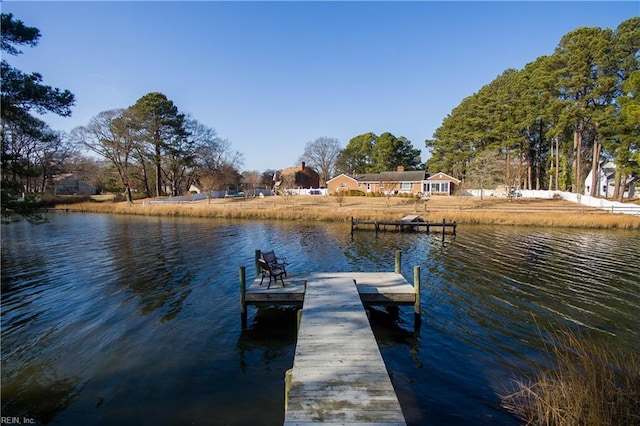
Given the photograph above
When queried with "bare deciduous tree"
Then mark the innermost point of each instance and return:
(321, 155)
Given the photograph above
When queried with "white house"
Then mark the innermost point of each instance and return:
(605, 182)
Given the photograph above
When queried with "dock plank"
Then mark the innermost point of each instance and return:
(338, 373)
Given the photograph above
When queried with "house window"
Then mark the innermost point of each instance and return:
(406, 186)
(343, 185)
(435, 187)
(444, 187)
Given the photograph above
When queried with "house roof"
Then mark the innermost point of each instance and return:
(298, 169)
(63, 176)
(444, 176)
(410, 176)
(342, 174)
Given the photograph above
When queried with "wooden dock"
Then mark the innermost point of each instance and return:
(338, 373)
(409, 223)
(376, 288)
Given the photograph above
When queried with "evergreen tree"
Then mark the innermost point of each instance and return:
(23, 94)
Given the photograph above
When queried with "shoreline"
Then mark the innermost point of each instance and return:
(463, 210)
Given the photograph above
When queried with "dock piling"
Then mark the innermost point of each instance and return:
(398, 267)
(258, 255)
(416, 287)
(243, 290)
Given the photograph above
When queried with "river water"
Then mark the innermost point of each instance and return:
(118, 320)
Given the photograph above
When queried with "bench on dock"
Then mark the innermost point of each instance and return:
(272, 271)
(271, 258)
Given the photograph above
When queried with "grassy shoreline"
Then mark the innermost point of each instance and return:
(463, 210)
(587, 382)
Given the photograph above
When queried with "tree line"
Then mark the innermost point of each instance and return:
(365, 153)
(156, 150)
(30, 149)
(546, 125)
(149, 148)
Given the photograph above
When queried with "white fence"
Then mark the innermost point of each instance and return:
(601, 203)
(311, 191)
(213, 194)
(585, 200)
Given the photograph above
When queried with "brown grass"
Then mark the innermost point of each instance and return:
(463, 210)
(590, 383)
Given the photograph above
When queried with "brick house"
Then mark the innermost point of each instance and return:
(299, 177)
(416, 182)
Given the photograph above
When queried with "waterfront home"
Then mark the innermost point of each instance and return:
(606, 181)
(416, 182)
(298, 177)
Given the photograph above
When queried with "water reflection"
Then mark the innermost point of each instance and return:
(114, 320)
(271, 335)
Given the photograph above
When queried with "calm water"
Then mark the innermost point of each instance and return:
(125, 320)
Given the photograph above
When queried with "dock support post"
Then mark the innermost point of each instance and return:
(455, 225)
(257, 262)
(243, 303)
(299, 314)
(416, 305)
(398, 261)
(444, 226)
(288, 376)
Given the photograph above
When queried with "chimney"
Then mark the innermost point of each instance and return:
(302, 166)
(400, 169)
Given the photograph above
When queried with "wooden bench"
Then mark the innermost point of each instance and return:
(272, 271)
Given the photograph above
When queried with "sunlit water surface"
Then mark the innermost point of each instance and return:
(124, 320)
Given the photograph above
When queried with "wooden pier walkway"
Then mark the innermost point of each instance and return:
(338, 373)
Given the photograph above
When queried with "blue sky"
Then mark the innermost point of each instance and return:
(272, 76)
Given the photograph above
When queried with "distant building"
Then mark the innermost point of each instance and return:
(606, 181)
(299, 177)
(441, 184)
(416, 182)
(68, 184)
